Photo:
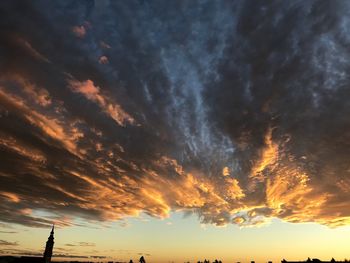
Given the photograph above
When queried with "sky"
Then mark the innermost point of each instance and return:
(177, 130)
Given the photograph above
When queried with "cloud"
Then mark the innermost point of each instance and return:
(69, 256)
(92, 92)
(81, 244)
(103, 60)
(7, 243)
(145, 254)
(99, 257)
(79, 31)
(177, 109)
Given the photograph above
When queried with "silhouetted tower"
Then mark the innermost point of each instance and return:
(49, 247)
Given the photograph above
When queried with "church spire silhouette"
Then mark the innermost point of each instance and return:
(49, 246)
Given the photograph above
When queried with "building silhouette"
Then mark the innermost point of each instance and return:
(49, 247)
(315, 260)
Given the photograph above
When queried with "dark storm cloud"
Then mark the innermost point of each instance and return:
(236, 111)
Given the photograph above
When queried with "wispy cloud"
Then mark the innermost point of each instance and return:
(7, 243)
(81, 244)
(93, 93)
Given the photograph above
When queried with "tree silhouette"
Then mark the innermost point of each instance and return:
(142, 259)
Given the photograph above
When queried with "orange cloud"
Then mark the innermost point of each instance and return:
(268, 157)
(93, 93)
(39, 95)
(51, 127)
(225, 171)
(11, 196)
(79, 31)
(285, 189)
(103, 60)
(15, 146)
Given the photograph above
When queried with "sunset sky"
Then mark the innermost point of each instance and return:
(177, 130)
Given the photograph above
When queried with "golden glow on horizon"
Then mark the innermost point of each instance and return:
(183, 239)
